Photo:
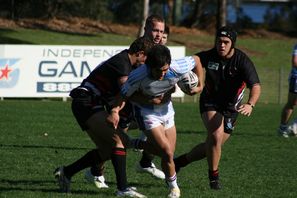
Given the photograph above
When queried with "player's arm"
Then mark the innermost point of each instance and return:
(113, 118)
(198, 70)
(247, 108)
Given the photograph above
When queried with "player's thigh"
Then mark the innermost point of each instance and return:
(101, 133)
(213, 121)
(157, 138)
(292, 99)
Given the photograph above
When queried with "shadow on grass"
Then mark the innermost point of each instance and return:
(235, 133)
(39, 186)
(42, 146)
(190, 132)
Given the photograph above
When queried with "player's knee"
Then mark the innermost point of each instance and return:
(215, 139)
(167, 154)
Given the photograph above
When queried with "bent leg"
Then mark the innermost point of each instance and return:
(288, 108)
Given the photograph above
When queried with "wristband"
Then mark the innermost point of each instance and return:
(250, 104)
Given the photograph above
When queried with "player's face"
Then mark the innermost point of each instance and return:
(164, 39)
(140, 58)
(158, 73)
(156, 31)
(223, 45)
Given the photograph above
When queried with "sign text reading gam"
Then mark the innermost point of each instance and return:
(53, 69)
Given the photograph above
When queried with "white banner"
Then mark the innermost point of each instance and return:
(52, 71)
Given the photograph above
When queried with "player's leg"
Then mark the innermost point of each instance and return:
(214, 123)
(110, 144)
(197, 153)
(96, 173)
(64, 174)
(83, 111)
(289, 107)
(145, 165)
(163, 144)
(286, 114)
(172, 181)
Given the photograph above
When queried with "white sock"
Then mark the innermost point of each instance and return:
(172, 181)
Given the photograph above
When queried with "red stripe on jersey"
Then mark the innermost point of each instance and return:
(240, 90)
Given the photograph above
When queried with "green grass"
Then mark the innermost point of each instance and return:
(32, 36)
(255, 162)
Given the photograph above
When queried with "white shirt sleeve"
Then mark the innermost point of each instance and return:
(134, 81)
(182, 65)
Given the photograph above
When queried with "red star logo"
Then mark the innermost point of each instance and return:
(5, 72)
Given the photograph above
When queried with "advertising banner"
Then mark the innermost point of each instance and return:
(53, 70)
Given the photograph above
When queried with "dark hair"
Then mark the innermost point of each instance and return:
(228, 32)
(141, 44)
(152, 18)
(158, 56)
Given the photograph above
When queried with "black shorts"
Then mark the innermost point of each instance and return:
(229, 113)
(84, 105)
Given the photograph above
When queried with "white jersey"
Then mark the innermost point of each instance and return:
(140, 79)
(151, 116)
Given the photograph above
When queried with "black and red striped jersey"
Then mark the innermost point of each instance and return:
(105, 76)
(226, 79)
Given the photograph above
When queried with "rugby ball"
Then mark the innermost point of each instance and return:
(187, 82)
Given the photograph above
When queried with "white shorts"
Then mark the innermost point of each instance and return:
(152, 116)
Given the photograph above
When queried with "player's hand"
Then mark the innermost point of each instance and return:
(245, 109)
(157, 100)
(113, 119)
(196, 90)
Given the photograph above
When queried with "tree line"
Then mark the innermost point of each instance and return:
(187, 13)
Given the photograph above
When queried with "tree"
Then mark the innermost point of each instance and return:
(221, 13)
(145, 15)
(176, 12)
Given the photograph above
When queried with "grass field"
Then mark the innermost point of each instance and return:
(255, 162)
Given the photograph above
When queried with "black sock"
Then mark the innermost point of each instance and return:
(146, 159)
(213, 175)
(86, 161)
(97, 170)
(118, 159)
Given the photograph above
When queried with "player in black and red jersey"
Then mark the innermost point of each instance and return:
(91, 105)
(228, 72)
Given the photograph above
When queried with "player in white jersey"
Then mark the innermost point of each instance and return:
(149, 89)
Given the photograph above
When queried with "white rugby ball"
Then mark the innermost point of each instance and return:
(187, 82)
